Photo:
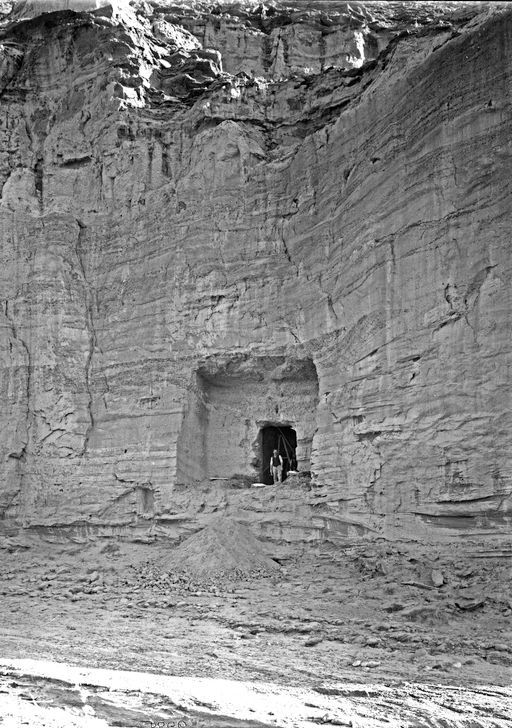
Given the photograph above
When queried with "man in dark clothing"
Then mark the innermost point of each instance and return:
(276, 467)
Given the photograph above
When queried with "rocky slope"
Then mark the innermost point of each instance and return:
(216, 217)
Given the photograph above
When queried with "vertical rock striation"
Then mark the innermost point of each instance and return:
(212, 219)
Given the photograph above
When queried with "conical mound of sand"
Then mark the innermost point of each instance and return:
(224, 546)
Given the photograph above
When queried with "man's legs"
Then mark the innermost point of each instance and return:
(279, 473)
(276, 474)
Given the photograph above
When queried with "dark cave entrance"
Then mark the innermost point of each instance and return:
(282, 438)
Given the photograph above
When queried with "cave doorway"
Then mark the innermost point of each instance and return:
(282, 438)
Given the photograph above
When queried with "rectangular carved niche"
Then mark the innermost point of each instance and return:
(232, 399)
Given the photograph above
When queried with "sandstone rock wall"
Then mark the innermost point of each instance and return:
(320, 240)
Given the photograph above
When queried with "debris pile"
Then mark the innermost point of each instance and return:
(224, 548)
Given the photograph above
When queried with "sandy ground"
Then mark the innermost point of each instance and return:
(435, 629)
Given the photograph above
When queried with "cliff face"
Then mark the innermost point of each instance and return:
(217, 219)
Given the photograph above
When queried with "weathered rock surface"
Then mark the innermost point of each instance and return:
(215, 220)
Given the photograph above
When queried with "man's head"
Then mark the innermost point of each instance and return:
(275, 452)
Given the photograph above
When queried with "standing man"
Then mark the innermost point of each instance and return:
(276, 467)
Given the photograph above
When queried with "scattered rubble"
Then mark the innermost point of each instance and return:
(317, 614)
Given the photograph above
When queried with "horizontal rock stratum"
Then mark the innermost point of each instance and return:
(216, 218)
